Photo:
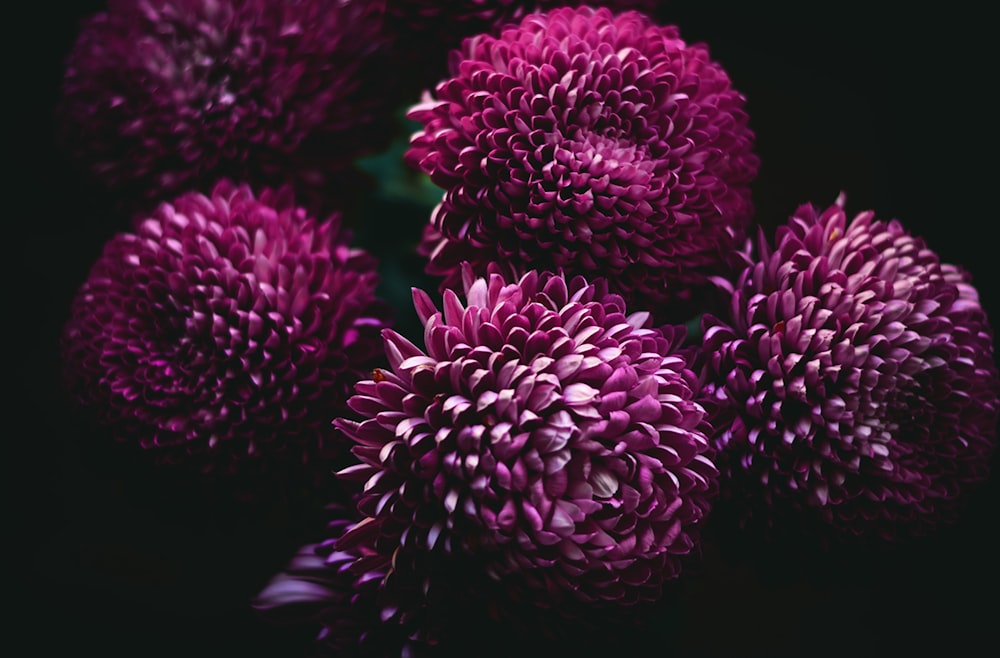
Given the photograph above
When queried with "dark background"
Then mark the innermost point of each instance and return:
(891, 107)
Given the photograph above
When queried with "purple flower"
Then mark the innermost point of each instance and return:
(545, 437)
(415, 605)
(852, 382)
(323, 587)
(598, 143)
(225, 333)
(163, 96)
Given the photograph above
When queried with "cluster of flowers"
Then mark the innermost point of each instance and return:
(560, 437)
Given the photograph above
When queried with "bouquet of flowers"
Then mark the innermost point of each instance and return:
(478, 301)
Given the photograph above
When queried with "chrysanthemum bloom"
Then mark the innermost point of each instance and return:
(319, 588)
(598, 143)
(361, 605)
(345, 596)
(164, 96)
(853, 381)
(226, 332)
(544, 434)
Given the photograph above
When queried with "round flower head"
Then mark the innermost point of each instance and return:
(226, 331)
(852, 382)
(598, 143)
(544, 433)
(163, 96)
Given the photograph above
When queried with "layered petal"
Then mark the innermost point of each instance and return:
(225, 332)
(543, 437)
(162, 96)
(599, 143)
(852, 382)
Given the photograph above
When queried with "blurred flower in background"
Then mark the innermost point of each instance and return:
(165, 96)
(853, 381)
(324, 587)
(224, 334)
(599, 143)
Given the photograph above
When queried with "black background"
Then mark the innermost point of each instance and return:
(892, 107)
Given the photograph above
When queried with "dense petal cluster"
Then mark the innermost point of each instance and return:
(226, 329)
(544, 433)
(162, 96)
(598, 143)
(853, 380)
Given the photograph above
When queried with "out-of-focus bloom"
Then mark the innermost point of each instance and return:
(324, 587)
(225, 332)
(362, 605)
(544, 435)
(852, 382)
(598, 143)
(164, 96)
